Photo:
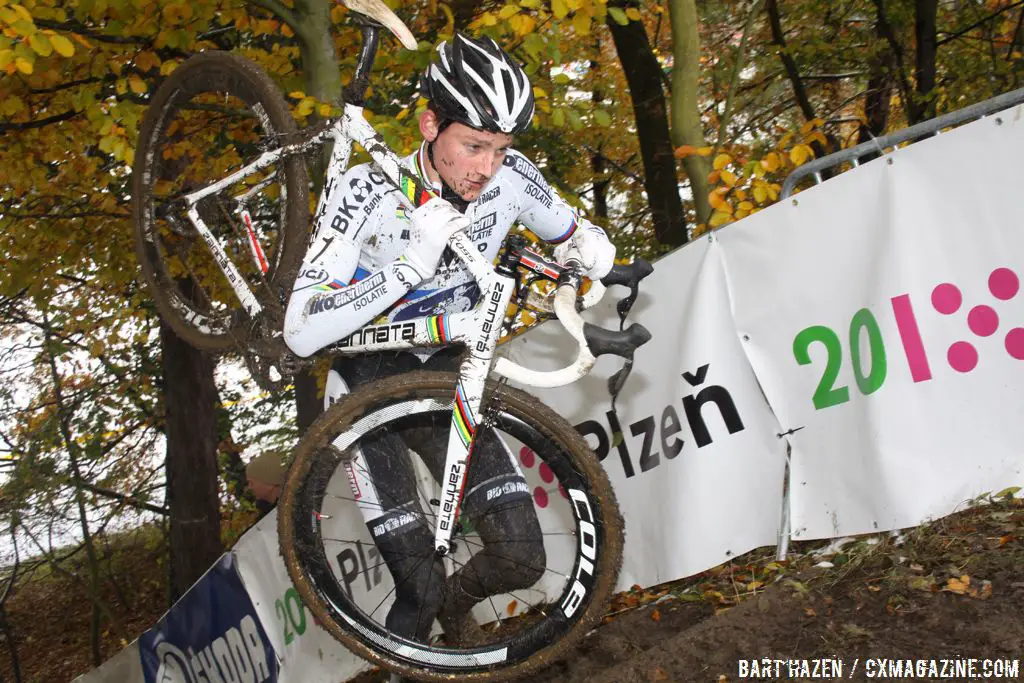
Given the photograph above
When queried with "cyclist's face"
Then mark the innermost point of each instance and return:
(466, 158)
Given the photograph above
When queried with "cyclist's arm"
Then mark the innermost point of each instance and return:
(326, 305)
(542, 209)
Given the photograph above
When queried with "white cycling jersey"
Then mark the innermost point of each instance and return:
(353, 273)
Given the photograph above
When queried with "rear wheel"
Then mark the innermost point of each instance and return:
(215, 113)
(335, 565)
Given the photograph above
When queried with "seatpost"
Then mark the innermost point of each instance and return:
(355, 93)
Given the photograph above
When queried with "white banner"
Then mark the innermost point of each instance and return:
(882, 314)
(307, 653)
(699, 472)
(124, 667)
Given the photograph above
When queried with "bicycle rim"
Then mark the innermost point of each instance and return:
(214, 114)
(331, 556)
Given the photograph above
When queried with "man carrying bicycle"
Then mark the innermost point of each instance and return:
(369, 257)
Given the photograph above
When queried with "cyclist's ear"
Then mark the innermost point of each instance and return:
(430, 125)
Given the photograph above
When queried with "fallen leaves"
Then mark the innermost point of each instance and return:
(962, 586)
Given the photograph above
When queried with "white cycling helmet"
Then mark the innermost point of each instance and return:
(477, 83)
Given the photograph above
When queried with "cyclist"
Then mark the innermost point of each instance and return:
(370, 257)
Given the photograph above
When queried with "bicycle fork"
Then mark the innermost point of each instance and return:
(469, 388)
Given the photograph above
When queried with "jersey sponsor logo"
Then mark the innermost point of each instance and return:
(360, 294)
(310, 277)
(361, 189)
(540, 194)
(380, 334)
(489, 195)
(527, 170)
(454, 300)
(483, 228)
(393, 522)
(508, 488)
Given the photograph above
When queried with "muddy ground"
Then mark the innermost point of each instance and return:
(949, 591)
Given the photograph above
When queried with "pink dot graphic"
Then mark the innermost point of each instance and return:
(1015, 343)
(546, 474)
(541, 496)
(962, 356)
(1003, 283)
(561, 489)
(983, 321)
(946, 298)
(526, 456)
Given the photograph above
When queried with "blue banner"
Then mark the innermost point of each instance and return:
(211, 635)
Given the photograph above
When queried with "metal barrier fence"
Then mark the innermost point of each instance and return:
(853, 155)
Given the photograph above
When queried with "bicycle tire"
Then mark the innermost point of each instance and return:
(567, 453)
(245, 114)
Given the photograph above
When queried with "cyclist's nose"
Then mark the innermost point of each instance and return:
(483, 166)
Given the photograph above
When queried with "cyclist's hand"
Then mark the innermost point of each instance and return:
(431, 227)
(590, 247)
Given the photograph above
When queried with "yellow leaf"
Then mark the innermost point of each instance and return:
(633, 13)
(959, 586)
(539, 92)
(137, 85)
(81, 39)
(507, 11)
(522, 24)
(799, 154)
(704, 151)
(402, 114)
(40, 44)
(714, 177)
(721, 161)
(485, 19)
(729, 178)
(719, 218)
(168, 67)
(63, 46)
(715, 199)
(511, 608)
(581, 24)
(559, 9)
(297, 94)
(23, 12)
(745, 206)
(24, 66)
(147, 60)
(6, 57)
(770, 162)
(760, 194)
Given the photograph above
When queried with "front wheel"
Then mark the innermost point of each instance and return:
(331, 510)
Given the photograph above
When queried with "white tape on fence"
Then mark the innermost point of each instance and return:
(886, 323)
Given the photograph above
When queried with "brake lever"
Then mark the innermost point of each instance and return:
(628, 275)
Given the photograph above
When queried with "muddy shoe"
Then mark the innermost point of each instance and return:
(461, 630)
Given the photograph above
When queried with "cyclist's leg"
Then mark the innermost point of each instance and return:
(498, 502)
(385, 488)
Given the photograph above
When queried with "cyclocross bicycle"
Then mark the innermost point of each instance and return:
(221, 214)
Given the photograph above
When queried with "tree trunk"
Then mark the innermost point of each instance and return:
(597, 164)
(687, 128)
(190, 403)
(925, 13)
(643, 74)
